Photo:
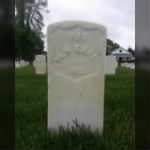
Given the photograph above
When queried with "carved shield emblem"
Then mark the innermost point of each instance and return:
(76, 49)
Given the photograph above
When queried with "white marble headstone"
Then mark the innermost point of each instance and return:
(128, 65)
(17, 64)
(76, 56)
(40, 64)
(110, 65)
(23, 63)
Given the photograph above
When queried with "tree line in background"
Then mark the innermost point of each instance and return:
(28, 28)
(111, 46)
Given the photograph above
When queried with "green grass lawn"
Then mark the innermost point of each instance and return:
(31, 115)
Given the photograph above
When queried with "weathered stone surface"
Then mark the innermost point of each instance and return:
(76, 59)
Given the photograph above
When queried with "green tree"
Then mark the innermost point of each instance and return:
(131, 51)
(28, 13)
(29, 23)
(27, 44)
(111, 46)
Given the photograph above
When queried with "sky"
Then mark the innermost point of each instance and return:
(118, 16)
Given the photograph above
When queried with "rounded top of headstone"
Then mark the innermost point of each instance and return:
(72, 24)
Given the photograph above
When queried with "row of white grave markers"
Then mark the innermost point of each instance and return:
(21, 63)
(128, 65)
(76, 58)
(41, 66)
(110, 64)
(76, 70)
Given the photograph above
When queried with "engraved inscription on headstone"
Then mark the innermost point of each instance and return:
(76, 53)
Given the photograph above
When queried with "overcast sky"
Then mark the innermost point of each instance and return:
(117, 15)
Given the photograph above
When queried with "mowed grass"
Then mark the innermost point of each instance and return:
(31, 115)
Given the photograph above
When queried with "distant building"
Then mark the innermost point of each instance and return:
(123, 55)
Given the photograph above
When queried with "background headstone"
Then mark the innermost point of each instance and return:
(110, 65)
(128, 65)
(40, 64)
(23, 63)
(76, 57)
(17, 64)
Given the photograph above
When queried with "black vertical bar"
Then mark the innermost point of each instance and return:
(142, 107)
(7, 86)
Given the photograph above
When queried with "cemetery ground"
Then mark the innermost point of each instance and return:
(31, 115)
